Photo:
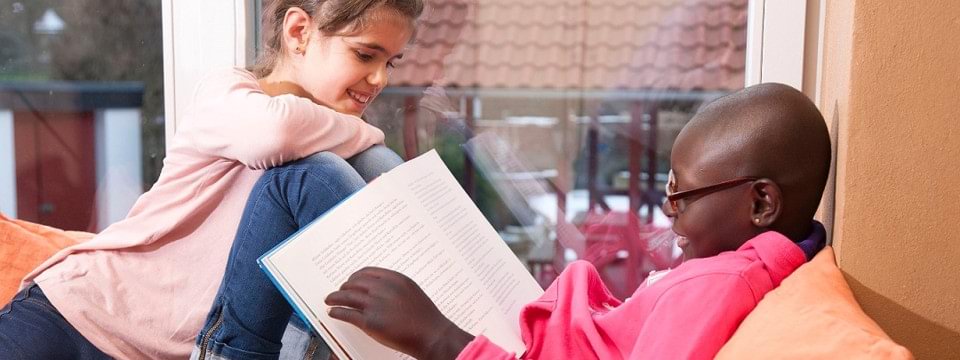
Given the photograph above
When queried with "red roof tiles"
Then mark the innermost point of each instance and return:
(588, 44)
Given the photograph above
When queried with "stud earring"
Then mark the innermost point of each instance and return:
(757, 221)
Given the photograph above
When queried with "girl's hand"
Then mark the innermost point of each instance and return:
(393, 310)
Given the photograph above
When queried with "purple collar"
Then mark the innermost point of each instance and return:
(815, 241)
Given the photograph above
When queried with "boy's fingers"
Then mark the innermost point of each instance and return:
(354, 317)
(363, 284)
(376, 272)
(359, 274)
(347, 298)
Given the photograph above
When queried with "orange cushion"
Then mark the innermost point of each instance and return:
(811, 315)
(23, 246)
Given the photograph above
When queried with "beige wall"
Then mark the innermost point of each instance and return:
(890, 89)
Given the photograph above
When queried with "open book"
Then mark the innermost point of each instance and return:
(417, 220)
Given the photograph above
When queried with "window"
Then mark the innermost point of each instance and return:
(558, 117)
(81, 109)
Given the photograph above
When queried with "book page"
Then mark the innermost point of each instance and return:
(389, 225)
(488, 256)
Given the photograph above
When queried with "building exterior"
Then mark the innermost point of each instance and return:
(74, 154)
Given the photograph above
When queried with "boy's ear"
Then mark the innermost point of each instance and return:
(296, 30)
(767, 202)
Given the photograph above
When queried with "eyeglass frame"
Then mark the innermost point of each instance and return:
(674, 197)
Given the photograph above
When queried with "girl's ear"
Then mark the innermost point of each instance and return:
(296, 31)
(767, 202)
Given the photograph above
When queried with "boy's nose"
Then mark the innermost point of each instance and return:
(667, 209)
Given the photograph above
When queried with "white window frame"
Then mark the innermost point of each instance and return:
(199, 36)
(775, 42)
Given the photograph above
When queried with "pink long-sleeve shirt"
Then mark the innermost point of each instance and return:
(687, 314)
(142, 288)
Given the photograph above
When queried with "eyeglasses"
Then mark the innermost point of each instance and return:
(674, 197)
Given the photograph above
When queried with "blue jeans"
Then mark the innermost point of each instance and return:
(250, 319)
(31, 328)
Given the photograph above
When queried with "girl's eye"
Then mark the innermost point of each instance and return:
(391, 64)
(364, 57)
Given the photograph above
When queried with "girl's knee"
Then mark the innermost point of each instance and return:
(374, 161)
(334, 168)
(323, 161)
(324, 158)
(381, 152)
(325, 167)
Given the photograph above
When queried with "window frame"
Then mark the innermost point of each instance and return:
(776, 31)
(200, 36)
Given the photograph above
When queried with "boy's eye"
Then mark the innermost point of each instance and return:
(391, 64)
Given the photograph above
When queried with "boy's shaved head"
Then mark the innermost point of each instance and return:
(772, 131)
(769, 131)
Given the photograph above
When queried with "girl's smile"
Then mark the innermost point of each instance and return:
(360, 100)
(346, 70)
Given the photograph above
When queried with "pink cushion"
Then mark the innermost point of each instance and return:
(812, 315)
(23, 246)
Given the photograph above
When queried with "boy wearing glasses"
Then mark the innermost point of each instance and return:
(747, 175)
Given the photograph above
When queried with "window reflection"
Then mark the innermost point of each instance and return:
(81, 109)
(558, 117)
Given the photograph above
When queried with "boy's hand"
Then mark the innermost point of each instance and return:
(393, 310)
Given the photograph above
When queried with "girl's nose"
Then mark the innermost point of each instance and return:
(378, 77)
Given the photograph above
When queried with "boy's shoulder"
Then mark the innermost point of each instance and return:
(762, 263)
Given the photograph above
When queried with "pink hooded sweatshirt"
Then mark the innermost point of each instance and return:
(687, 314)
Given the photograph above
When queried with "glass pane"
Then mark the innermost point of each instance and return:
(81, 103)
(558, 117)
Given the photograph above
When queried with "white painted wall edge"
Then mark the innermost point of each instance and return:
(8, 165)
